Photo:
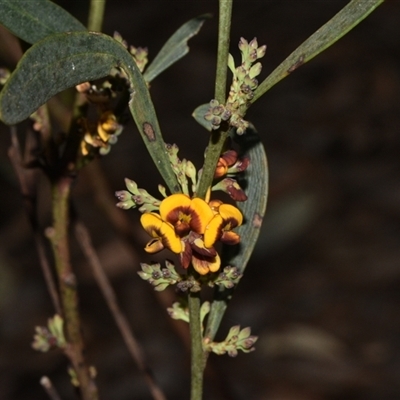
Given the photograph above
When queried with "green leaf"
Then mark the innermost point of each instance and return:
(345, 20)
(253, 211)
(198, 115)
(33, 20)
(175, 47)
(63, 60)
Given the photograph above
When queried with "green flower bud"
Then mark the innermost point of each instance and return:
(261, 51)
(131, 186)
(255, 70)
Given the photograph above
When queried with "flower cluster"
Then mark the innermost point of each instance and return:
(101, 135)
(190, 227)
(242, 88)
(229, 164)
(49, 337)
(185, 224)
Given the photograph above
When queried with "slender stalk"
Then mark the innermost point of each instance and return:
(218, 137)
(120, 318)
(49, 388)
(214, 149)
(96, 15)
(28, 181)
(58, 235)
(224, 28)
(198, 356)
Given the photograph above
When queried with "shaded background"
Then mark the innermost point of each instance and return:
(322, 290)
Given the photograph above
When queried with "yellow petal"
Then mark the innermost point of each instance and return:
(157, 228)
(154, 246)
(231, 214)
(213, 231)
(216, 264)
(205, 265)
(201, 213)
(151, 223)
(170, 239)
(170, 207)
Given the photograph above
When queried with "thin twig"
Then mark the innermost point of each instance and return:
(49, 388)
(121, 320)
(28, 179)
(58, 235)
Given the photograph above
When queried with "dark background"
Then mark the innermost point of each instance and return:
(322, 290)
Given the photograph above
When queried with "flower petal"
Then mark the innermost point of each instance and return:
(204, 265)
(230, 237)
(170, 239)
(157, 228)
(201, 214)
(231, 214)
(199, 247)
(172, 205)
(154, 246)
(186, 255)
(151, 223)
(213, 230)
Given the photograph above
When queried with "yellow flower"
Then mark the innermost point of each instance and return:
(163, 234)
(204, 260)
(220, 227)
(190, 227)
(186, 214)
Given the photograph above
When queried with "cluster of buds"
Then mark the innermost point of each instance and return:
(228, 278)
(216, 114)
(159, 277)
(135, 196)
(51, 336)
(237, 339)
(244, 83)
(140, 54)
(183, 169)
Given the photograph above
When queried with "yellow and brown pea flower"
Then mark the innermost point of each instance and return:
(230, 164)
(102, 136)
(190, 228)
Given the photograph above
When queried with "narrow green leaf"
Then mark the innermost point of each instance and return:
(33, 20)
(175, 47)
(345, 20)
(253, 211)
(64, 60)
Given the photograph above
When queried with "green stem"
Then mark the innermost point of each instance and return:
(214, 149)
(218, 137)
(198, 355)
(224, 28)
(58, 236)
(96, 15)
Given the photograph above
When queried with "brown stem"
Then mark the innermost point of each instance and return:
(28, 180)
(104, 284)
(58, 236)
